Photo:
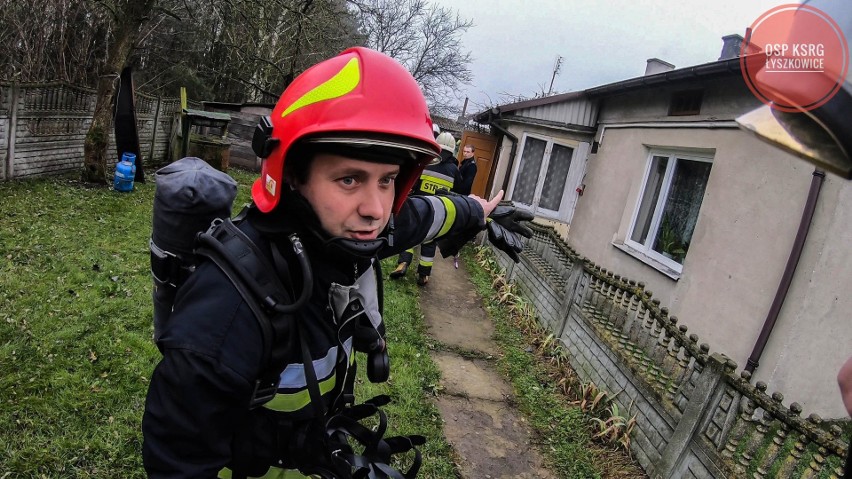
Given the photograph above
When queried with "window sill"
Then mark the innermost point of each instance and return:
(666, 270)
(549, 215)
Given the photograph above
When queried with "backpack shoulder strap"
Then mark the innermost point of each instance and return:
(254, 277)
(241, 261)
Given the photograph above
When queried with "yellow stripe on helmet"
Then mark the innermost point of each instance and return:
(340, 84)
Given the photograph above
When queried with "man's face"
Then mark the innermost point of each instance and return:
(352, 198)
(468, 152)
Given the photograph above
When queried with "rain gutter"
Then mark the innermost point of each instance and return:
(787, 278)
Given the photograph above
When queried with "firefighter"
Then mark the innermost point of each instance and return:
(344, 145)
(436, 179)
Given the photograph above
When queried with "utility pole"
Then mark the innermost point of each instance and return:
(556, 67)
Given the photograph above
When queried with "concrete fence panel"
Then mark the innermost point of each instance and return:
(695, 418)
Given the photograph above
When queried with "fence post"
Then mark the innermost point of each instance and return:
(572, 287)
(13, 125)
(701, 398)
(156, 125)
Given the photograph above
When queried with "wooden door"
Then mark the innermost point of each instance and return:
(484, 150)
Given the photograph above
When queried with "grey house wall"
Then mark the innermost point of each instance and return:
(723, 99)
(742, 239)
(695, 417)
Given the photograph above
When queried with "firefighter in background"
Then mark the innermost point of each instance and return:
(435, 179)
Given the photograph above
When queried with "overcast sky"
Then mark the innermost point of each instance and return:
(515, 44)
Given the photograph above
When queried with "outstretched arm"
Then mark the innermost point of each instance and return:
(453, 220)
(503, 223)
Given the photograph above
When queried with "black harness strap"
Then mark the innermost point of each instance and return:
(373, 462)
(263, 291)
(252, 275)
(254, 269)
(265, 386)
(310, 374)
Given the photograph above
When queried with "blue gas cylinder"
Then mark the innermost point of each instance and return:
(125, 172)
(131, 157)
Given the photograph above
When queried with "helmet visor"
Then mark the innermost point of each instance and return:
(379, 149)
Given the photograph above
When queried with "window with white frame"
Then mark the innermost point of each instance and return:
(547, 170)
(665, 217)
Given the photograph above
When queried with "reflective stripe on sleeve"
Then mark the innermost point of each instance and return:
(444, 216)
(451, 215)
(439, 214)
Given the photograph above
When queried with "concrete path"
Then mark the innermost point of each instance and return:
(491, 438)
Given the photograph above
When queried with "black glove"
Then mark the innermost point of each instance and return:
(504, 229)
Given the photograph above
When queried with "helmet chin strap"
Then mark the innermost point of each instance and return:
(365, 249)
(304, 214)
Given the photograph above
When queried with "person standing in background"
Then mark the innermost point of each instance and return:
(467, 173)
(436, 179)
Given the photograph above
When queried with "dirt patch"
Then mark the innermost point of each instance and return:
(470, 378)
(491, 438)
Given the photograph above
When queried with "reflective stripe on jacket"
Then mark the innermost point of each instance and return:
(438, 177)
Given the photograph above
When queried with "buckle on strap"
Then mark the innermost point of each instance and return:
(166, 267)
(263, 393)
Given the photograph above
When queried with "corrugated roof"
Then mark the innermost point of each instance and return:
(720, 67)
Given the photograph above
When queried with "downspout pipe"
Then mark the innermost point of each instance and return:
(787, 278)
(514, 139)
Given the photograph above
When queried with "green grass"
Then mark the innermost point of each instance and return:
(563, 429)
(75, 335)
(414, 378)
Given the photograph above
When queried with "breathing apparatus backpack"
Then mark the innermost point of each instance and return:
(191, 222)
(189, 196)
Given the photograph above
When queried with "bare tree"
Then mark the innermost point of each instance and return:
(426, 39)
(128, 17)
(226, 50)
(50, 40)
(245, 50)
(231, 50)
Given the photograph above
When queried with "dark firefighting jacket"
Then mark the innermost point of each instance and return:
(438, 177)
(197, 423)
(467, 173)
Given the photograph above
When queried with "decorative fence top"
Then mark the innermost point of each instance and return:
(661, 351)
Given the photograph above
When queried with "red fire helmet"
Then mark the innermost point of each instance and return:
(360, 98)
